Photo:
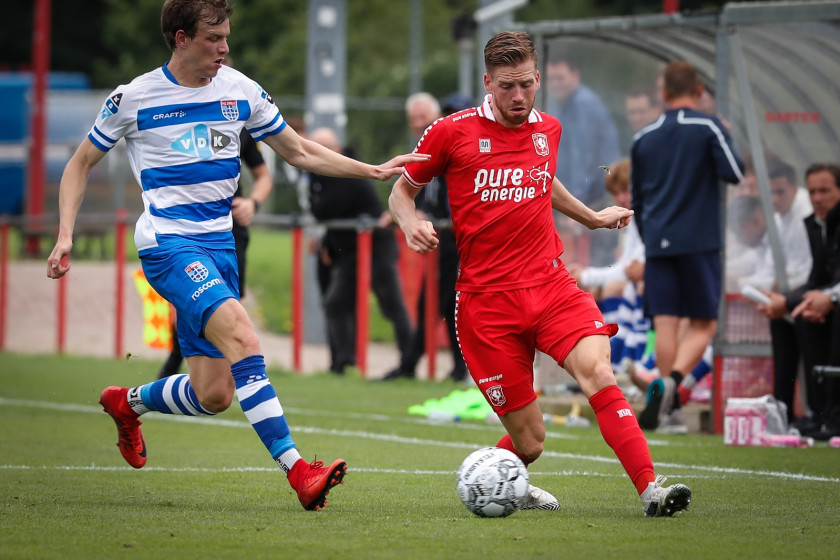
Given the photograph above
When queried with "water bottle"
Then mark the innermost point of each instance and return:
(788, 440)
(442, 416)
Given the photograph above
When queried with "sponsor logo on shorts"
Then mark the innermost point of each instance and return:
(489, 379)
(624, 413)
(197, 271)
(206, 286)
(598, 324)
(496, 395)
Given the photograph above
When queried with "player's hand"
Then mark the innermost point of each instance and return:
(58, 263)
(613, 217)
(243, 210)
(421, 236)
(395, 166)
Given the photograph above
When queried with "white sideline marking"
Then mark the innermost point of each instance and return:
(212, 421)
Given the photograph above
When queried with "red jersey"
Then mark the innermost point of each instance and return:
(499, 181)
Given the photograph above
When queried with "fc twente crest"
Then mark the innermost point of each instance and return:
(540, 143)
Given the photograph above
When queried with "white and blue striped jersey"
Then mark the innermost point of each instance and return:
(183, 147)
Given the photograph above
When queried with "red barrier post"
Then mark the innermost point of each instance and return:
(364, 248)
(431, 310)
(297, 298)
(717, 396)
(4, 279)
(119, 257)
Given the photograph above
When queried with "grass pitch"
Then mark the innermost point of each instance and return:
(210, 490)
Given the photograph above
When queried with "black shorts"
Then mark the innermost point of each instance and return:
(684, 285)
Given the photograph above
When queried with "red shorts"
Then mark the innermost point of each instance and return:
(499, 333)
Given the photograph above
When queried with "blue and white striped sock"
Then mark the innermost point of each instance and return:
(262, 408)
(170, 395)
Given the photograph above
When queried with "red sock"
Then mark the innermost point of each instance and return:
(507, 443)
(621, 431)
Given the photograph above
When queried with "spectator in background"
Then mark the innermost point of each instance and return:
(814, 305)
(422, 109)
(642, 107)
(333, 198)
(677, 167)
(746, 241)
(590, 142)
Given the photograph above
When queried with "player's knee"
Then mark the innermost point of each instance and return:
(532, 448)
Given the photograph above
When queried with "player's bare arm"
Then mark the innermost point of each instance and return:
(244, 209)
(70, 195)
(311, 156)
(420, 235)
(610, 218)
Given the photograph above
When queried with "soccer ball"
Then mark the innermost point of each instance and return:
(492, 482)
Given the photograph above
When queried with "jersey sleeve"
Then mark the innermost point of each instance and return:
(435, 141)
(265, 119)
(116, 119)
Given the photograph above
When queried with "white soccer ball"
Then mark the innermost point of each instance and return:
(492, 482)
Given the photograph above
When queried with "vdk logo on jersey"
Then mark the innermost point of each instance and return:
(202, 141)
(197, 271)
(540, 143)
(112, 105)
(230, 109)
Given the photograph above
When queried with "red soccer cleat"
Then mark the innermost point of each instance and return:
(312, 481)
(131, 443)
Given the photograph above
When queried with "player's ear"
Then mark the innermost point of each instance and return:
(487, 80)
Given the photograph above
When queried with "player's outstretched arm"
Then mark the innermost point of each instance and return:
(70, 195)
(311, 156)
(611, 217)
(420, 235)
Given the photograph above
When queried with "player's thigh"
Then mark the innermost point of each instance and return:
(569, 315)
(196, 281)
(497, 348)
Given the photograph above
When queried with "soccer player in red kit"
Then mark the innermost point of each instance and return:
(515, 296)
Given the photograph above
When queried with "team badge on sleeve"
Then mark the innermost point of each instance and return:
(540, 143)
(197, 271)
(230, 109)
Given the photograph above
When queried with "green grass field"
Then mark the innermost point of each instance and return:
(210, 489)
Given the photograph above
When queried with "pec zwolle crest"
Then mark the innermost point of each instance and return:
(230, 109)
(540, 143)
(197, 272)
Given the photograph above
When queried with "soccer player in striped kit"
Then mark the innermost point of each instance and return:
(515, 296)
(181, 123)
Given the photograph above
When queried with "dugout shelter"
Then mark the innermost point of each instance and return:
(772, 70)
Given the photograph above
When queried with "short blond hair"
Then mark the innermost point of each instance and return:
(509, 48)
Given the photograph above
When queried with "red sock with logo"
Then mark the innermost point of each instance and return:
(621, 431)
(507, 443)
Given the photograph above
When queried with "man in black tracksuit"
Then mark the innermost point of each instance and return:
(333, 198)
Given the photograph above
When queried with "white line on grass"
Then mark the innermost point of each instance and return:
(397, 439)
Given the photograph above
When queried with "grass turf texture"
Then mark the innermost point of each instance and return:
(210, 490)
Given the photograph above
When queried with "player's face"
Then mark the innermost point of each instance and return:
(206, 51)
(514, 89)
